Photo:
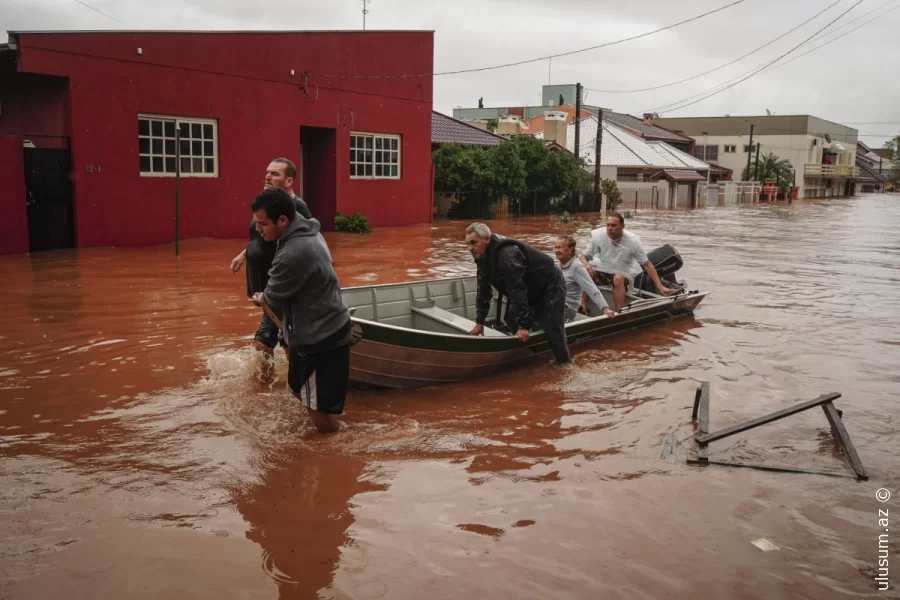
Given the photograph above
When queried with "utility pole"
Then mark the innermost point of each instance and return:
(577, 133)
(756, 168)
(365, 11)
(749, 151)
(597, 154)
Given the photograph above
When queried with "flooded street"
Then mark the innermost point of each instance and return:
(140, 456)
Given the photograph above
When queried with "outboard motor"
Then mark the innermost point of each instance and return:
(666, 261)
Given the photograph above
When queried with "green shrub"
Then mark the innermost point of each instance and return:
(355, 223)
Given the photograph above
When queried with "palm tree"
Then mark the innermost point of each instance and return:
(771, 167)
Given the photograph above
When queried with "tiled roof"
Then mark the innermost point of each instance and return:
(537, 123)
(447, 130)
(677, 157)
(624, 149)
(652, 132)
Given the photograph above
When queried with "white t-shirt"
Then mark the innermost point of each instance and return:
(622, 258)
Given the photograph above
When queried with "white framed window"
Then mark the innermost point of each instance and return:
(730, 149)
(374, 156)
(749, 148)
(158, 153)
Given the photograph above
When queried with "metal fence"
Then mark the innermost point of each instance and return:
(727, 193)
(636, 196)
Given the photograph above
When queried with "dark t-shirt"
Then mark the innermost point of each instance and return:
(261, 253)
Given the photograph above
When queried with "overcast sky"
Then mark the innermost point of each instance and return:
(852, 80)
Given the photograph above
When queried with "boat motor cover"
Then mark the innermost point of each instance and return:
(665, 260)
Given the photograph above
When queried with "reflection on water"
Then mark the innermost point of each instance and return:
(144, 457)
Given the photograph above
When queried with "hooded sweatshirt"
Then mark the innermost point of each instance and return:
(304, 288)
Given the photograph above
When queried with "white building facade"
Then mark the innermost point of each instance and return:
(822, 153)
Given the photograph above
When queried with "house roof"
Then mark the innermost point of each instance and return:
(537, 123)
(869, 173)
(447, 130)
(622, 148)
(677, 157)
(646, 131)
(687, 176)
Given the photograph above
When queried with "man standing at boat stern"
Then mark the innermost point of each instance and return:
(529, 278)
(305, 289)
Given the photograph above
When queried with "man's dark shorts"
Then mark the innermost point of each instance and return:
(321, 380)
(268, 333)
(601, 278)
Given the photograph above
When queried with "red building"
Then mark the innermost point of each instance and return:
(88, 125)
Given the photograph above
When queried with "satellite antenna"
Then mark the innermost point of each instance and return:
(828, 137)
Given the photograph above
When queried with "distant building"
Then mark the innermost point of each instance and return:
(875, 171)
(823, 153)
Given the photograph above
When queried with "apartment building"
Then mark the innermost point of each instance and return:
(823, 153)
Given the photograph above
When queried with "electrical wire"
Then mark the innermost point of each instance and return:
(728, 64)
(540, 58)
(684, 104)
(842, 35)
(103, 13)
(820, 45)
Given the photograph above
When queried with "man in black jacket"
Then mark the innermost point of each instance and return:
(260, 253)
(535, 287)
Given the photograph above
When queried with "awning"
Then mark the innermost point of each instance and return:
(683, 176)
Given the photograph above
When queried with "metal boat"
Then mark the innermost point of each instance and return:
(416, 334)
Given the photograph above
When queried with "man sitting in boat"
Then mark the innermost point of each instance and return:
(578, 281)
(615, 256)
(535, 287)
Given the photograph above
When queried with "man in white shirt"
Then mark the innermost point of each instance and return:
(615, 256)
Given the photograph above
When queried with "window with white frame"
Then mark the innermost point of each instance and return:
(374, 156)
(730, 149)
(163, 140)
(749, 148)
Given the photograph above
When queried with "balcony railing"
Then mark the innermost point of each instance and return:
(831, 171)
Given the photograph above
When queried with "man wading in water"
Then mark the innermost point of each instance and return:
(305, 289)
(259, 253)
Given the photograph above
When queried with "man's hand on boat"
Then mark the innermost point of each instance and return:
(477, 330)
(523, 335)
(666, 291)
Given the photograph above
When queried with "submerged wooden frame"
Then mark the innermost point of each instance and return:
(834, 416)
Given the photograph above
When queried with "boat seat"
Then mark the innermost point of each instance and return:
(451, 320)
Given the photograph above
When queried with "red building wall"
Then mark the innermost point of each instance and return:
(14, 223)
(244, 81)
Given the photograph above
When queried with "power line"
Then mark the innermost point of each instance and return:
(103, 13)
(819, 46)
(541, 58)
(728, 64)
(843, 34)
(678, 105)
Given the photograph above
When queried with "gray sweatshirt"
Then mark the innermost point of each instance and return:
(578, 280)
(305, 289)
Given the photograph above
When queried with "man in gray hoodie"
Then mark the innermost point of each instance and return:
(304, 288)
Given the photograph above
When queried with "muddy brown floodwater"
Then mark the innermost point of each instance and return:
(141, 458)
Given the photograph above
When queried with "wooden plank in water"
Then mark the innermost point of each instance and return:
(723, 433)
(843, 437)
(776, 468)
(703, 419)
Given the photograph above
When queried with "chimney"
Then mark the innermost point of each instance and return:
(556, 127)
(510, 125)
(648, 118)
